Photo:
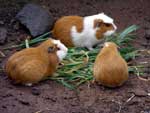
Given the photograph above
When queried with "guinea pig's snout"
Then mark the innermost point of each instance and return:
(62, 47)
(61, 51)
(111, 31)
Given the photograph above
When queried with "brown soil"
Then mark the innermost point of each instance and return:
(51, 97)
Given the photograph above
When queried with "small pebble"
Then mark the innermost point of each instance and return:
(36, 91)
(24, 102)
(1, 22)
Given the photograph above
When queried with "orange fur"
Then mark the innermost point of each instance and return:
(110, 69)
(63, 26)
(102, 28)
(31, 65)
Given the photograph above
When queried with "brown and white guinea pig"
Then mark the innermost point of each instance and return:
(83, 31)
(31, 65)
(110, 69)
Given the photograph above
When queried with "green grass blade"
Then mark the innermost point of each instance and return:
(66, 84)
(127, 31)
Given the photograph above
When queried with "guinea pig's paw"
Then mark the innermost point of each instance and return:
(28, 84)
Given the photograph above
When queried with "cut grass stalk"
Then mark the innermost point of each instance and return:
(27, 43)
(31, 42)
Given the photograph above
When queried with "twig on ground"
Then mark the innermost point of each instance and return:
(120, 105)
(143, 62)
(144, 50)
(129, 99)
(138, 75)
(2, 54)
(46, 109)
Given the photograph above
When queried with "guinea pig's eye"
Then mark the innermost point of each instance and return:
(51, 49)
(107, 25)
(58, 48)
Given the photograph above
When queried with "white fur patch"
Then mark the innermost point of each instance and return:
(62, 52)
(87, 38)
(105, 18)
(108, 33)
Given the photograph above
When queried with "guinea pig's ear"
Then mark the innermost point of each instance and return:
(98, 23)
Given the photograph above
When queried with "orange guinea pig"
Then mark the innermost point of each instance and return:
(31, 65)
(110, 69)
(83, 31)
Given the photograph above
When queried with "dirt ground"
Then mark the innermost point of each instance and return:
(51, 97)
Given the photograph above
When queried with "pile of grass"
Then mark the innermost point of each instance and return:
(77, 67)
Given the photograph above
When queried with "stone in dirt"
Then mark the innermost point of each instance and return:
(1, 22)
(147, 34)
(24, 102)
(3, 35)
(140, 93)
(35, 18)
(35, 91)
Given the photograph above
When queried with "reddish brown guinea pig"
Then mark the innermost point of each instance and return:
(110, 69)
(83, 31)
(31, 65)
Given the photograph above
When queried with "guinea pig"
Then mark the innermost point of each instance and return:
(83, 31)
(110, 69)
(31, 65)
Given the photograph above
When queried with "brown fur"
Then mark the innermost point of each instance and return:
(63, 26)
(32, 64)
(110, 69)
(102, 28)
